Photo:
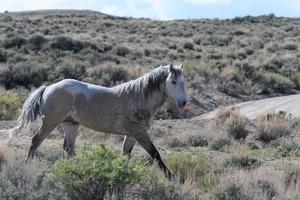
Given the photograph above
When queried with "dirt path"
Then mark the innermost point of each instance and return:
(289, 104)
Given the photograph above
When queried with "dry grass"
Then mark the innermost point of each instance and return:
(272, 127)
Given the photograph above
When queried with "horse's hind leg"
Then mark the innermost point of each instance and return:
(39, 137)
(128, 144)
(71, 132)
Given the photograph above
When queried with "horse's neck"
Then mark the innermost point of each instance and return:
(155, 101)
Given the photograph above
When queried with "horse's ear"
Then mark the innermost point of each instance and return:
(181, 66)
(171, 67)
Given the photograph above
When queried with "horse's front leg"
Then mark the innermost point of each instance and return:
(144, 140)
(128, 144)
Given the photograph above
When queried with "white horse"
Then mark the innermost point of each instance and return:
(126, 109)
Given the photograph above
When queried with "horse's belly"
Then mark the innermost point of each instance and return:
(100, 120)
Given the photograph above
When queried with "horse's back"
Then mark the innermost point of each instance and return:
(81, 101)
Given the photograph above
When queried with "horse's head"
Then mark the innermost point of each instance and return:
(175, 86)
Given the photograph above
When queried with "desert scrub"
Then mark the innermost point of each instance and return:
(121, 51)
(242, 161)
(220, 144)
(108, 76)
(189, 169)
(10, 105)
(231, 191)
(236, 126)
(194, 140)
(36, 42)
(26, 74)
(247, 190)
(291, 178)
(272, 126)
(222, 113)
(95, 173)
(19, 181)
(66, 44)
(288, 148)
(14, 42)
(270, 82)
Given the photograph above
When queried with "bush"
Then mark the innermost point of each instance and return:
(247, 189)
(288, 148)
(175, 142)
(187, 168)
(196, 141)
(191, 140)
(122, 51)
(19, 181)
(109, 76)
(272, 82)
(3, 56)
(188, 45)
(267, 188)
(220, 144)
(10, 105)
(290, 46)
(217, 40)
(23, 74)
(95, 173)
(70, 70)
(244, 162)
(231, 191)
(236, 126)
(272, 126)
(15, 41)
(291, 177)
(36, 42)
(66, 44)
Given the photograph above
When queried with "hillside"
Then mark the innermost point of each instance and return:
(226, 61)
(222, 155)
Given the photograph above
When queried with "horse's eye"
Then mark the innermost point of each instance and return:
(174, 82)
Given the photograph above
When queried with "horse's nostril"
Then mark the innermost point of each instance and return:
(183, 103)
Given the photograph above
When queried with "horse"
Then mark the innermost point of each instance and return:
(126, 109)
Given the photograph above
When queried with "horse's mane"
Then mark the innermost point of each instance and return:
(145, 85)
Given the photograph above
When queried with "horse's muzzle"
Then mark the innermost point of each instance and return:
(181, 104)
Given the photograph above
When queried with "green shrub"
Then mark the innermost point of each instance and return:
(217, 40)
(187, 168)
(3, 56)
(19, 181)
(175, 142)
(236, 126)
(288, 148)
(231, 191)
(246, 190)
(10, 105)
(36, 42)
(291, 177)
(290, 46)
(245, 162)
(220, 144)
(272, 126)
(109, 76)
(196, 141)
(267, 188)
(122, 51)
(188, 45)
(272, 82)
(95, 173)
(66, 44)
(15, 41)
(25, 74)
(69, 70)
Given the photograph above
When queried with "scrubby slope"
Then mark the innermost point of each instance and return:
(226, 61)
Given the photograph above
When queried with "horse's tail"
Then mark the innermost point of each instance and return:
(31, 108)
